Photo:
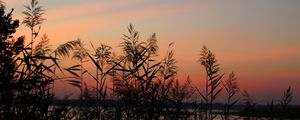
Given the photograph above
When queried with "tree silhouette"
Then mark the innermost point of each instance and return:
(8, 48)
(25, 82)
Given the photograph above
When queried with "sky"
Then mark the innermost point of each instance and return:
(259, 40)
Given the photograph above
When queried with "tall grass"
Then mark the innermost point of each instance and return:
(33, 17)
(25, 78)
(231, 88)
(143, 86)
(213, 80)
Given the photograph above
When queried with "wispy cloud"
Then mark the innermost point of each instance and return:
(263, 55)
(87, 17)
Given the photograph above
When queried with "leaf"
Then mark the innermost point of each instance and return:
(234, 102)
(203, 97)
(73, 73)
(56, 63)
(75, 83)
(95, 63)
(74, 67)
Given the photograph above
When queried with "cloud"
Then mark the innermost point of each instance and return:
(79, 11)
(64, 21)
(259, 55)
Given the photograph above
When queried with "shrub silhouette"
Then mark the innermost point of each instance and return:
(137, 77)
(141, 82)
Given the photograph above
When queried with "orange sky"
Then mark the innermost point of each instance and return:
(258, 40)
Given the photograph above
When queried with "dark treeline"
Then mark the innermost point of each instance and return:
(143, 87)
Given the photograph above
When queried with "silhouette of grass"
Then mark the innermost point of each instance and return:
(143, 87)
(213, 81)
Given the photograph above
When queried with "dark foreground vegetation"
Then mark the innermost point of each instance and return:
(191, 110)
(143, 87)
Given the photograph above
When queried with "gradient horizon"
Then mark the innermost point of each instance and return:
(258, 40)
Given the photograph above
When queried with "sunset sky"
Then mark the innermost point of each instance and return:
(257, 39)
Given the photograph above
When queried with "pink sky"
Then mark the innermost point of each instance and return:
(258, 40)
